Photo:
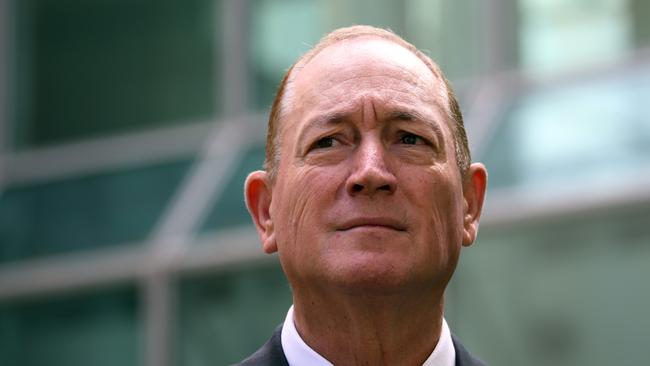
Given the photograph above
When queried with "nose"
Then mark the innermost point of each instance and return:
(371, 174)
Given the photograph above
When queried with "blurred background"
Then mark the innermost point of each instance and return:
(127, 128)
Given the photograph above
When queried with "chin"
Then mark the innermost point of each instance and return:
(373, 275)
(387, 274)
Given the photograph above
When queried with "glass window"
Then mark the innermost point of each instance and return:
(282, 30)
(85, 212)
(565, 291)
(229, 209)
(86, 68)
(640, 11)
(227, 316)
(560, 35)
(594, 132)
(98, 329)
(450, 32)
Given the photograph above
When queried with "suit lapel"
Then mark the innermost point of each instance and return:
(270, 354)
(463, 358)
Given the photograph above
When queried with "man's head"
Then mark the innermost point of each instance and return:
(367, 193)
(285, 94)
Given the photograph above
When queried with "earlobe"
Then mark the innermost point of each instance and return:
(474, 187)
(258, 194)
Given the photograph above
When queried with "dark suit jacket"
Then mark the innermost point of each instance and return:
(271, 354)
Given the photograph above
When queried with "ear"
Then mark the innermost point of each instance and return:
(474, 185)
(257, 191)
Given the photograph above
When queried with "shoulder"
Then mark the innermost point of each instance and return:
(463, 357)
(270, 354)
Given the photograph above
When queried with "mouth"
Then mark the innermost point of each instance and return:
(372, 223)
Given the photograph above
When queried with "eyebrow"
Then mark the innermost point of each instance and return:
(336, 118)
(327, 119)
(321, 122)
(412, 116)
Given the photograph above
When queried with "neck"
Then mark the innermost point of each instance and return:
(356, 329)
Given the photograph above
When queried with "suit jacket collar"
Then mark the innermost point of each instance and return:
(463, 358)
(271, 353)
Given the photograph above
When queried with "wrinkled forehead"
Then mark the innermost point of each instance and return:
(360, 66)
(355, 60)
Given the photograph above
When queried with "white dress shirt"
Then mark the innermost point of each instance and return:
(298, 353)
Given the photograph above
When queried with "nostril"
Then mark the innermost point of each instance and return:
(357, 188)
(385, 187)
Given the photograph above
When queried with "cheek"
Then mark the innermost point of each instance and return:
(437, 194)
(441, 204)
(307, 194)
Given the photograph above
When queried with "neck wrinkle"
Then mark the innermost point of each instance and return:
(370, 330)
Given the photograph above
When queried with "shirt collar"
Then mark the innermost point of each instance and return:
(298, 353)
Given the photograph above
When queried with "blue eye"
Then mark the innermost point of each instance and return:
(410, 139)
(325, 142)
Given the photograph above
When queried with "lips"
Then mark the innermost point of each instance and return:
(370, 222)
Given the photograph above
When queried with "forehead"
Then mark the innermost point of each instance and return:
(357, 61)
(352, 70)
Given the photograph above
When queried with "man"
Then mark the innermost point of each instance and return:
(368, 195)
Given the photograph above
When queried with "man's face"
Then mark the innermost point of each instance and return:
(368, 192)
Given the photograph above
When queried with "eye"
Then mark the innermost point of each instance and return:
(325, 142)
(411, 139)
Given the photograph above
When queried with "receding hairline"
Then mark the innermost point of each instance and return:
(304, 61)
